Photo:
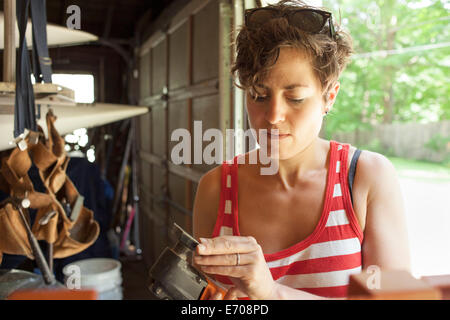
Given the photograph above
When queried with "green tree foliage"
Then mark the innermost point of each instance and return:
(401, 68)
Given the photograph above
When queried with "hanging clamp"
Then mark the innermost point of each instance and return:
(20, 140)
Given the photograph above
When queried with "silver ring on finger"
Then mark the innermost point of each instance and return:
(238, 258)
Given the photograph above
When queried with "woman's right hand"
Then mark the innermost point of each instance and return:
(230, 294)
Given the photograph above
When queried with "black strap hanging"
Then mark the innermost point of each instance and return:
(25, 111)
(42, 64)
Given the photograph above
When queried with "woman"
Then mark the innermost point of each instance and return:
(300, 233)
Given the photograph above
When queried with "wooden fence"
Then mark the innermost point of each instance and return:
(430, 141)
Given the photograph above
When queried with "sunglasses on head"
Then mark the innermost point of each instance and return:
(309, 20)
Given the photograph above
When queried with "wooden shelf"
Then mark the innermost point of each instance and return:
(44, 93)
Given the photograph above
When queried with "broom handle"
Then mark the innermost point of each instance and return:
(36, 249)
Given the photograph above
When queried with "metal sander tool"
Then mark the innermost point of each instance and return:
(173, 277)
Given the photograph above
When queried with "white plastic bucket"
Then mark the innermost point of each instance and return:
(101, 274)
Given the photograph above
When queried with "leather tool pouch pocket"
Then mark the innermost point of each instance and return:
(68, 234)
(13, 235)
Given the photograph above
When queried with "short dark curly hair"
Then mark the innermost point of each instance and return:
(258, 49)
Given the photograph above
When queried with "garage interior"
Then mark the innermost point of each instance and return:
(171, 57)
(156, 66)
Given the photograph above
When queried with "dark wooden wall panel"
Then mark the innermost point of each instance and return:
(159, 131)
(158, 179)
(144, 76)
(206, 43)
(178, 118)
(177, 191)
(177, 194)
(145, 175)
(179, 58)
(159, 67)
(145, 132)
(206, 110)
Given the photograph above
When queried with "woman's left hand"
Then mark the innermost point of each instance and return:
(239, 258)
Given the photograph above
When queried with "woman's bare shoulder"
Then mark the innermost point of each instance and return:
(371, 164)
(373, 170)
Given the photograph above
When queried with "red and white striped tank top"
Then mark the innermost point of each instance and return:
(322, 263)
